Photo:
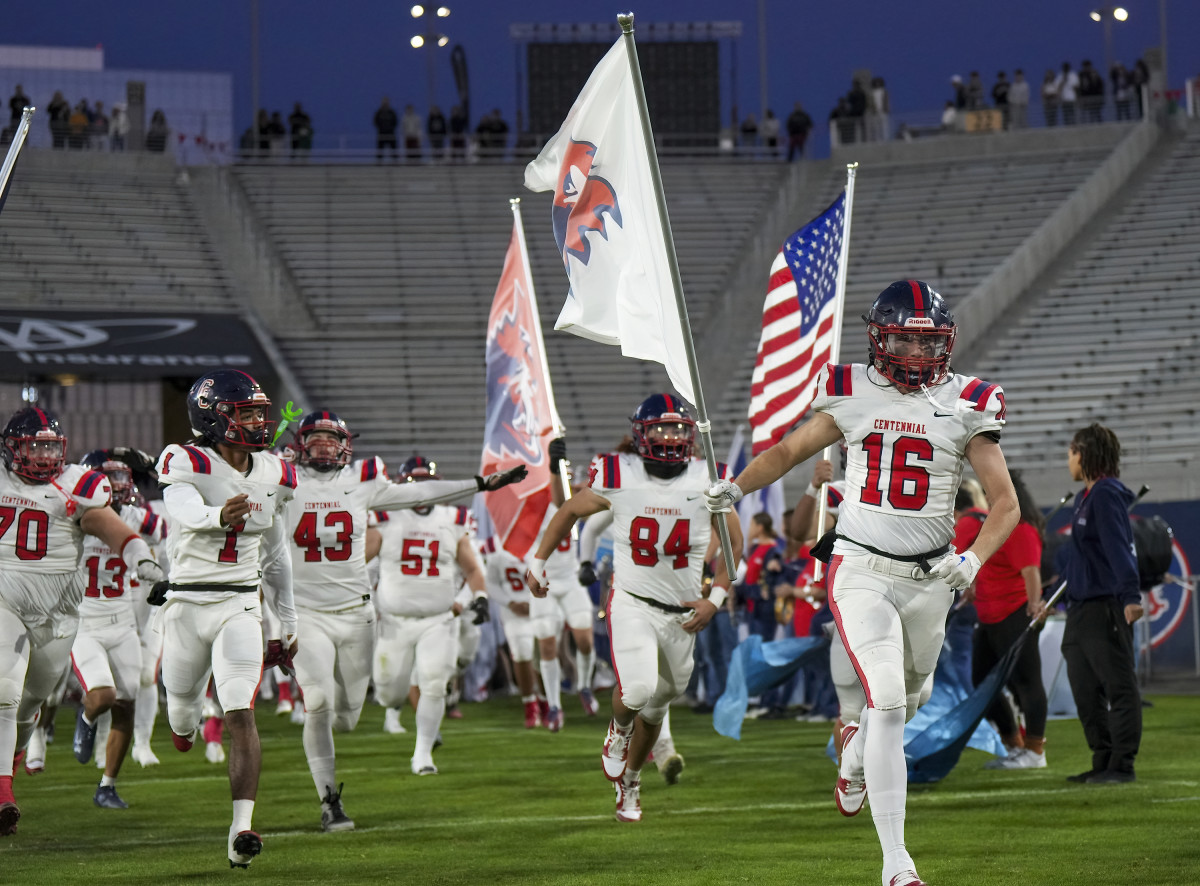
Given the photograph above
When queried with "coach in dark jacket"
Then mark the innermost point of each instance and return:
(1103, 602)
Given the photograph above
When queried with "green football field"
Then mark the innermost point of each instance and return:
(512, 806)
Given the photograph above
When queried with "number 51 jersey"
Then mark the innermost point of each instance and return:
(905, 453)
(661, 528)
(418, 560)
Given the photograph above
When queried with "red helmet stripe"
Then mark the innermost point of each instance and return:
(918, 298)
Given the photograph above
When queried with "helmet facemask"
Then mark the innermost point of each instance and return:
(252, 431)
(40, 457)
(120, 478)
(912, 355)
(325, 449)
(666, 439)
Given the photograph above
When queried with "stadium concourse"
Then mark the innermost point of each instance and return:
(1064, 254)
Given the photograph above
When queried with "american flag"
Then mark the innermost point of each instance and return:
(797, 327)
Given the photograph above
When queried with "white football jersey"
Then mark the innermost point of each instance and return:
(505, 575)
(201, 551)
(327, 524)
(905, 454)
(109, 586)
(562, 567)
(418, 560)
(661, 528)
(39, 522)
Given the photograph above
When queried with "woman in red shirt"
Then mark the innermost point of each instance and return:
(1008, 593)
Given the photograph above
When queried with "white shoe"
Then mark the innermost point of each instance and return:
(671, 767)
(851, 790)
(615, 753)
(1020, 758)
(143, 756)
(424, 768)
(35, 752)
(284, 707)
(629, 802)
(391, 721)
(214, 752)
(298, 716)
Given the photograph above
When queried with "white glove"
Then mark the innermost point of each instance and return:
(722, 496)
(149, 572)
(956, 570)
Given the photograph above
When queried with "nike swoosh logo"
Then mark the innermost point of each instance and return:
(692, 497)
(348, 492)
(249, 609)
(943, 415)
(269, 494)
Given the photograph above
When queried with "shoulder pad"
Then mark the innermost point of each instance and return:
(607, 470)
(461, 516)
(289, 474)
(178, 462)
(370, 468)
(838, 381)
(85, 486)
(978, 391)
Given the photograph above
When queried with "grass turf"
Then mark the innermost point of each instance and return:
(512, 806)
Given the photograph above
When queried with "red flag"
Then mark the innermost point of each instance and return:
(521, 418)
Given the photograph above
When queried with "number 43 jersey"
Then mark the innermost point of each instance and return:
(661, 528)
(418, 560)
(905, 453)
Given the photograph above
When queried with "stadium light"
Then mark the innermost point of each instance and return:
(443, 11)
(417, 41)
(1106, 15)
(418, 11)
(430, 41)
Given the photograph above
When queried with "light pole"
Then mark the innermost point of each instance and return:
(430, 40)
(1106, 15)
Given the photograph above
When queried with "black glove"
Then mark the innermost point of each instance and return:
(587, 573)
(158, 593)
(479, 606)
(500, 479)
(558, 452)
(139, 462)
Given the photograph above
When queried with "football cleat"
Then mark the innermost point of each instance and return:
(851, 790)
(1020, 758)
(533, 717)
(555, 720)
(333, 816)
(671, 767)
(453, 712)
(1112, 776)
(243, 847)
(214, 752)
(106, 798)
(588, 699)
(143, 756)
(35, 754)
(391, 721)
(298, 715)
(615, 754)
(284, 707)
(543, 708)
(629, 802)
(906, 878)
(85, 738)
(183, 743)
(9, 815)
(426, 768)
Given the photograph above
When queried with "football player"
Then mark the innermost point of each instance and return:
(663, 537)
(417, 608)
(910, 422)
(46, 509)
(327, 524)
(225, 497)
(506, 585)
(107, 652)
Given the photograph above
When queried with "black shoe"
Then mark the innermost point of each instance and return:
(333, 816)
(1112, 776)
(1083, 777)
(106, 798)
(85, 738)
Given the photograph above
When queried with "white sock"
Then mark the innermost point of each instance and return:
(430, 710)
(108, 781)
(8, 736)
(887, 782)
(526, 699)
(318, 748)
(243, 815)
(585, 668)
(88, 722)
(552, 680)
(145, 711)
(852, 753)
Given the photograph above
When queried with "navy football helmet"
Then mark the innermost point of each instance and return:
(35, 446)
(418, 467)
(663, 429)
(120, 477)
(911, 331)
(215, 403)
(322, 453)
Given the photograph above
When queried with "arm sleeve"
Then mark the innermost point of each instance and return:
(394, 496)
(1117, 547)
(277, 574)
(589, 536)
(188, 509)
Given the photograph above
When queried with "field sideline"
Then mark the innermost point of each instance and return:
(512, 806)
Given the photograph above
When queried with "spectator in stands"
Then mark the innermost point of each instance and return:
(99, 128)
(435, 128)
(58, 112)
(78, 124)
(878, 109)
(856, 100)
(1139, 79)
(1122, 88)
(799, 124)
(841, 123)
(1103, 602)
(960, 93)
(1067, 87)
(1000, 90)
(1018, 100)
(949, 116)
(749, 132)
(276, 133)
(118, 127)
(1091, 94)
(410, 125)
(301, 130)
(156, 132)
(1008, 593)
(458, 134)
(770, 132)
(975, 100)
(1050, 98)
(385, 129)
(17, 104)
(492, 135)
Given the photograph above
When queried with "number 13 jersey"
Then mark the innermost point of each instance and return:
(905, 453)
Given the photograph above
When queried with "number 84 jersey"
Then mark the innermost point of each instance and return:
(905, 453)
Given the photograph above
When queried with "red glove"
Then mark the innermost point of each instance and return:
(278, 656)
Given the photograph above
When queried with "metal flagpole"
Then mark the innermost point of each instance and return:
(702, 422)
(555, 420)
(836, 346)
(14, 149)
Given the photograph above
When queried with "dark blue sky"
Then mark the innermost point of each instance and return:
(339, 59)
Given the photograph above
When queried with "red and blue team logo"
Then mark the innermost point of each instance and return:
(515, 422)
(1167, 604)
(581, 202)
